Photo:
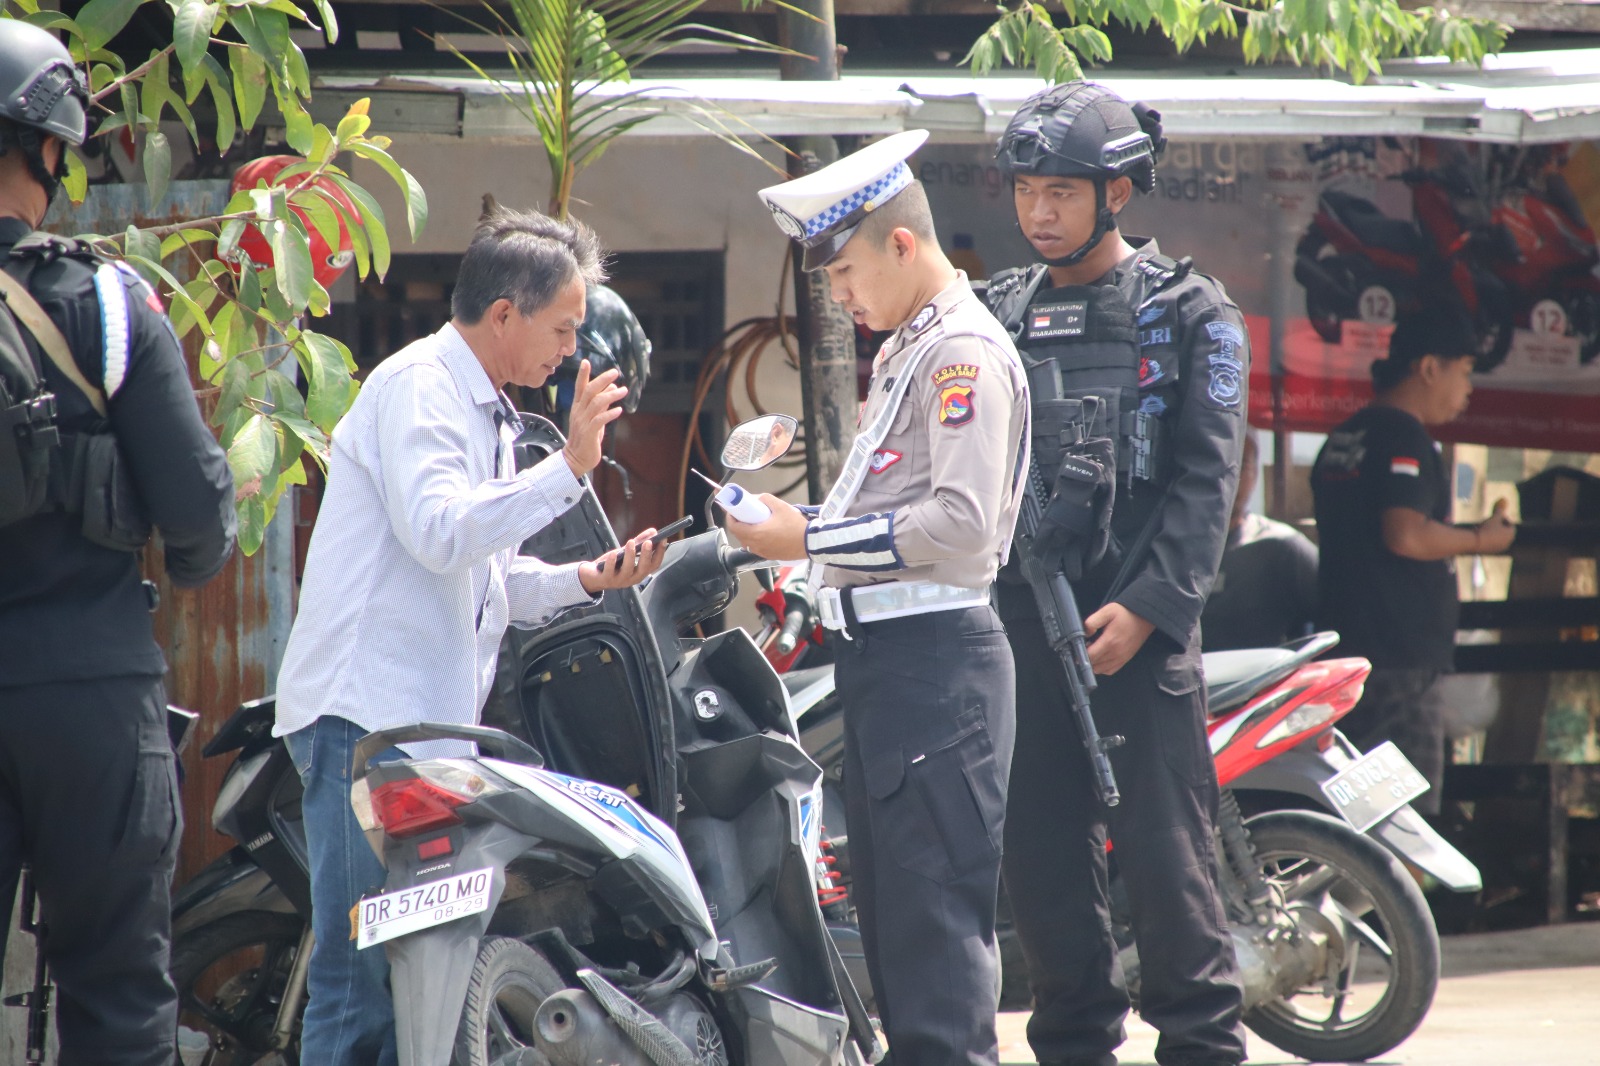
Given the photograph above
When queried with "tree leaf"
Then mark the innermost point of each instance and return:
(76, 181)
(291, 260)
(221, 100)
(330, 22)
(228, 242)
(372, 223)
(191, 31)
(410, 188)
(297, 123)
(321, 215)
(101, 20)
(249, 84)
(157, 166)
(329, 387)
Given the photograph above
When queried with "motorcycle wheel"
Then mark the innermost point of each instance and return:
(508, 983)
(1382, 992)
(231, 976)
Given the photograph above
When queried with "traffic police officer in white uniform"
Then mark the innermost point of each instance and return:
(905, 547)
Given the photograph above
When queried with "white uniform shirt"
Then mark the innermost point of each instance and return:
(413, 572)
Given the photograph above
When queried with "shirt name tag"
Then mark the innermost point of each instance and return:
(1068, 319)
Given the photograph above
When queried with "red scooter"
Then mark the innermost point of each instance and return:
(1337, 949)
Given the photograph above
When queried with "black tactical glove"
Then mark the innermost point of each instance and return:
(1075, 528)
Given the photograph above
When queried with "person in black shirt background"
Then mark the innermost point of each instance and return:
(1387, 578)
(1266, 588)
(88, 786)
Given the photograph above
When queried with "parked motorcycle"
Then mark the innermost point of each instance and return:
(1337, 949)
(647, 898)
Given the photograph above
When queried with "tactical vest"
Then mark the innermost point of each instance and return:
(43, 467)
(1082, 349)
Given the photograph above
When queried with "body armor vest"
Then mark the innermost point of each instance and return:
(44, 467)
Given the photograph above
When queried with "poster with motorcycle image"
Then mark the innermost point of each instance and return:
(1499, 235)
(1325, 243)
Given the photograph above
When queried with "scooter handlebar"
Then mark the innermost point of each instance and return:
(794, 623)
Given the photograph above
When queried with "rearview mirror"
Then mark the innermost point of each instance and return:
(757, 443)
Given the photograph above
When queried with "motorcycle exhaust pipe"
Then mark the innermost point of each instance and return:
(571, 1029)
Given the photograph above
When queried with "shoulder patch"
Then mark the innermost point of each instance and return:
(946, 374)
(1405, 465)
(957, 405)
(924, 317)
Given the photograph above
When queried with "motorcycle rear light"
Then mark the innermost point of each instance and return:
(432, 849)
(425, 800)
(406, 808)
(1303, 719)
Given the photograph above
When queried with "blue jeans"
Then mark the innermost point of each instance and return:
(349, 1019)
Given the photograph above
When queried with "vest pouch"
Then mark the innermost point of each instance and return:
(113, 515)
(27, 439)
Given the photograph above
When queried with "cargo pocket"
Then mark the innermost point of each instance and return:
(943, 807)
(150, 830)
(1184, 743)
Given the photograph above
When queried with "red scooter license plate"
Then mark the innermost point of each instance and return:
(1374, 787)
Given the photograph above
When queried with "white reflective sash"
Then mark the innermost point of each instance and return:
(867, 442)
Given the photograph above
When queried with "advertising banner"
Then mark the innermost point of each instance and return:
(1325, 245)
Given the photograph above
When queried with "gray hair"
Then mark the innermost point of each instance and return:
(524, 257)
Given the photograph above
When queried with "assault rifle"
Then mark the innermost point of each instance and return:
(1063, 628)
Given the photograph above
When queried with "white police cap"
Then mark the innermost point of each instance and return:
(822, 209)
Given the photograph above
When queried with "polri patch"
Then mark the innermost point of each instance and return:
(1068, 319)
(883, 459)
(956, 405)
(946, 374)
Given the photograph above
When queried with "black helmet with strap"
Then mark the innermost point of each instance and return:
(42, 92)
(1083, 130)
(610, 337)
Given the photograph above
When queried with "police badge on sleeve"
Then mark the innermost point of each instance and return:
(1226, 365)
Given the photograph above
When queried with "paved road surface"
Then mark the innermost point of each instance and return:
(1525, 998)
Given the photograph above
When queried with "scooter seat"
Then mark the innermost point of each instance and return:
(1232, 677)
(1373, 227)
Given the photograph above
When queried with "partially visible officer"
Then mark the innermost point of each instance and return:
(907, 544)
(88, 785)
(1388, 582)
(1165, 352)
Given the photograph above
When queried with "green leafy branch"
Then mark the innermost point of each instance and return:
(1354, 36)
(562, 52)
(248, 318)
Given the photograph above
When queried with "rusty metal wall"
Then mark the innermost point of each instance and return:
(224, 642)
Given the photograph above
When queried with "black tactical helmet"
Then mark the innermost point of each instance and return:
(609, 337)
(40, 86)
(41, 92)
(1083, 130)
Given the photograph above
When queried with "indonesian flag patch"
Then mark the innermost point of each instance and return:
(1405, 465)
(883, 459)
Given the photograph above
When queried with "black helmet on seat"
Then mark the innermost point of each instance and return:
(1083, 130)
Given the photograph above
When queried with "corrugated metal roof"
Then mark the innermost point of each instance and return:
(1519, 98)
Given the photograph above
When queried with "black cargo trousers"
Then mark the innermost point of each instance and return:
(929, 714)
(1162, 835)
(88, 799)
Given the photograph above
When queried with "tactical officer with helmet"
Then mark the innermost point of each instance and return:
(100, 439)
(1138, 366)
